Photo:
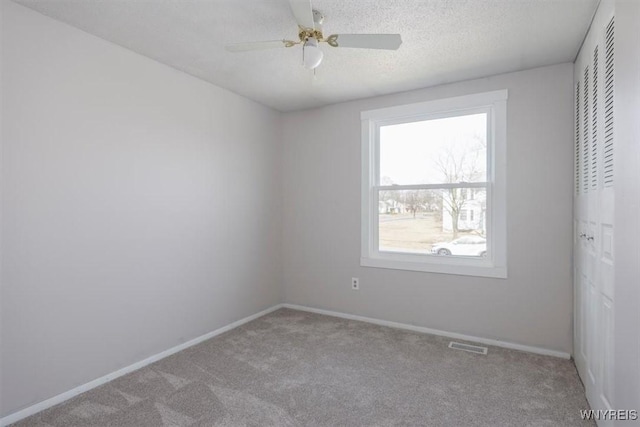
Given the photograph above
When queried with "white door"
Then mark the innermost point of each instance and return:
(593, 223)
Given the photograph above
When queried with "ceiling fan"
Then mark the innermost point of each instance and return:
(310, 34)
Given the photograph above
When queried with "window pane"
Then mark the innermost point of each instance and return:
(448, 150)
(436, 222)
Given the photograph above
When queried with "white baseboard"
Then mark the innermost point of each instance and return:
(34, 409)
(486, 341)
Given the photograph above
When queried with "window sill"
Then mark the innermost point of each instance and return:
(431, 267)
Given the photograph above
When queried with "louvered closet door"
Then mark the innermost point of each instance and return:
(594, 231)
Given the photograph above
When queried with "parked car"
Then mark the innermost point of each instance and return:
(462, 246)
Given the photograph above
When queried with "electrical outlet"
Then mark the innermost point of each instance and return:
(355, 284)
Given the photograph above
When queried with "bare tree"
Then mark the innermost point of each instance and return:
(421, 201)
(459, 167)
(413, 201)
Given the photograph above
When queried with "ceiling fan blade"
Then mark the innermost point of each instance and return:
(366, 41)
(303, 13)
(272, 44)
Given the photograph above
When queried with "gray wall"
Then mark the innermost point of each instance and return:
(321, 217)
(141, 208)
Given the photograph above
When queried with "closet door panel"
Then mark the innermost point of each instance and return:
(594, 226)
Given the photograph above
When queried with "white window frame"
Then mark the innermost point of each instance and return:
(494, 264)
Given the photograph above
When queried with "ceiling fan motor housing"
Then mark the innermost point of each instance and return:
(316, 32)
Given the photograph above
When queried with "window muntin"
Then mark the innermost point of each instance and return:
(433, 173)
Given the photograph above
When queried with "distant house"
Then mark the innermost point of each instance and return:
(472, 210)
(391, 207)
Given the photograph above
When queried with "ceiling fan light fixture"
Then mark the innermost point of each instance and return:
(311, 54)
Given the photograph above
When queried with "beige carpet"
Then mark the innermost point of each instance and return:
(292, 368)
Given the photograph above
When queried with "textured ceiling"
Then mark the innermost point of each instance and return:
(443, 41)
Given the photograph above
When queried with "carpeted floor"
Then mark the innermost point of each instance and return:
(293, 368)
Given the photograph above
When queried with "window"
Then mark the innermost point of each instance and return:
(433, 186)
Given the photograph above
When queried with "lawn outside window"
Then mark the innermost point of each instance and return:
(434, 186)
